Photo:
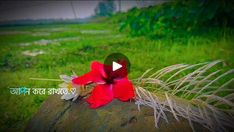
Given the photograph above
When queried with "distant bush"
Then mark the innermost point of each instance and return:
(105, 8)
(183, 15)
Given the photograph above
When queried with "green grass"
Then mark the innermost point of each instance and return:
(66, 56)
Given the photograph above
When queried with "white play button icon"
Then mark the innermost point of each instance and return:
(115, 66)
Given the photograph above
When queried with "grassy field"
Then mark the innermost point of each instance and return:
(71, 47)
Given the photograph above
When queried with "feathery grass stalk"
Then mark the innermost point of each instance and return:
(46, 79)
(194, 92)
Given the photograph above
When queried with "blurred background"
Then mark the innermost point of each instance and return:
(31, 10)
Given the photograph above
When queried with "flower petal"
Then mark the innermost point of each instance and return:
(101, 95)
(69, 96)
(63, 85)
(98, 67)
(75, 98)
(123, 89)
(65, 78)
(83, 80)
(96, 75)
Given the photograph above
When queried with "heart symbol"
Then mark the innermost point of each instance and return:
(73, 90)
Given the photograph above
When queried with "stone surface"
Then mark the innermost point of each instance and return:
(59, 115)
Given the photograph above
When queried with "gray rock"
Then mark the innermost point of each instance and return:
(59, 115)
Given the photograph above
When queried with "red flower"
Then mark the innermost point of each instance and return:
(107, 86)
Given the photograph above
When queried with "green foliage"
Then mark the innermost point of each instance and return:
(177, 15)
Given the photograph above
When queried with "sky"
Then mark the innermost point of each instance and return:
(18, 10)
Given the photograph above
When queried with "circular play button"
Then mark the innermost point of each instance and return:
(117, 65)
